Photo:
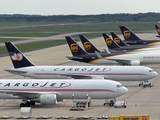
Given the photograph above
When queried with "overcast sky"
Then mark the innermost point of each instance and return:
(78, 7)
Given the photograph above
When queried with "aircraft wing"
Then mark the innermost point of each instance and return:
(81, 76)
(74, 57)
(131, 41)
(121, 61)
(27, 93)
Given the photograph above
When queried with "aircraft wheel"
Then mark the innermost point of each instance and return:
(112, 104)
(32, 103)
(28, 104)
(22, 105)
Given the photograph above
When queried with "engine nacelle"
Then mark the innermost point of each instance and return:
(48, 99)
(97, 77)
(135, 63)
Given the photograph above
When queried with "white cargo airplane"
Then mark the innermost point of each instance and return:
(141, 58)
(23, 67)
(48, 92)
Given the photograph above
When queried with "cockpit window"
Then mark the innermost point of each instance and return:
(150, 70)
(119, 85)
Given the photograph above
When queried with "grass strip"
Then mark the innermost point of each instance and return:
(33, 46)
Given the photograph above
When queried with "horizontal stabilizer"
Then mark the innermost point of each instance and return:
(16, 71)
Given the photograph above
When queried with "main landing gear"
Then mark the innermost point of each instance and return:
(27, 104)
(109, 102)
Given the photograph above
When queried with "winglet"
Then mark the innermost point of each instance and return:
(107, 50)
(99, 55)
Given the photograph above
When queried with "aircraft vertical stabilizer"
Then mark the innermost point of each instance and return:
(158, 30)
(128, 34)
(74, 47)
(109, 42)
(117, 39)
(88, 46)
(18, 59)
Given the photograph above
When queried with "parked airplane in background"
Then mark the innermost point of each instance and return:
(23, 67)
(137, 58)
(48, 92)
(148, 48)
(114, 46)
(158, 30)
(131, 38)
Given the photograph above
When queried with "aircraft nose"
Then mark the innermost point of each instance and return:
(155, 74)
(124, 90)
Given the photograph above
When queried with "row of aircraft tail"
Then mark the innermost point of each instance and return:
(142, 52)
(64, 82)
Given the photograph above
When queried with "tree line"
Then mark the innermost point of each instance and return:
(144, 17)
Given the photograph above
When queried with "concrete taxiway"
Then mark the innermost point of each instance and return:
(139, 100)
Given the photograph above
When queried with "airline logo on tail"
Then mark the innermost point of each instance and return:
(87, 45)
(117, 40)
(17, 57)
(74, 47)
(126, 33)
(108, 41)
(158, 30)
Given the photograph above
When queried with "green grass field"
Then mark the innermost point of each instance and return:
(2, 40)
(42, 29)
(47, 29)
(34, 46)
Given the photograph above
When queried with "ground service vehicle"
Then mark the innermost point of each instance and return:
(120, 104)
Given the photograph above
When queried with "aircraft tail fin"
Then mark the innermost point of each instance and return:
(117, 39)
(109, 42)
(18, 59)
(157, 29)
(128, 34)
(74, 47)
(88, 46)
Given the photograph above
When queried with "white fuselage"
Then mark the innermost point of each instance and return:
(63, 88)
(118, 73)
(144, 57)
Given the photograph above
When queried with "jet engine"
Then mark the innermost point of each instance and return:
(48, 99)
(135, 63)
(97, 77)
